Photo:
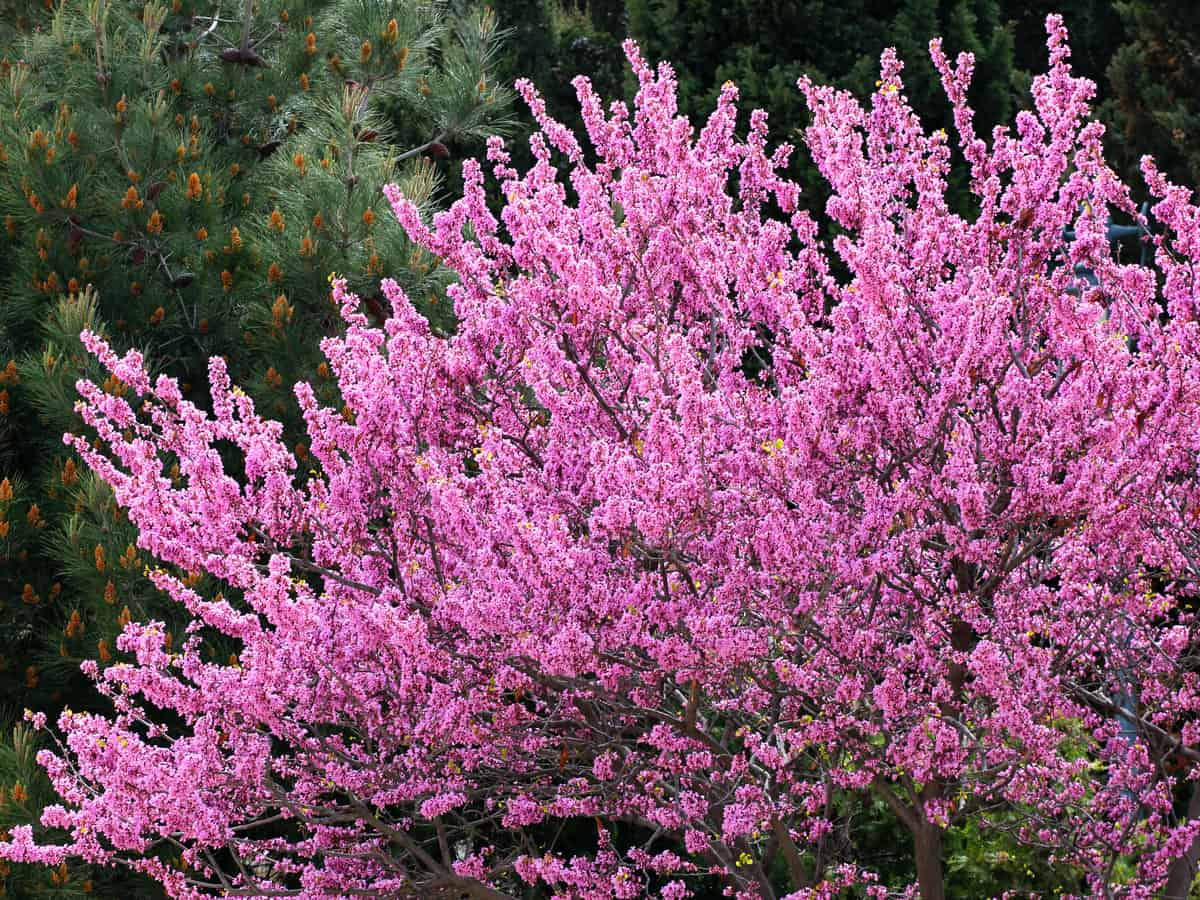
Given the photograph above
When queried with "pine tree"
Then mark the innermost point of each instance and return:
(185, 182)
(1154, 98)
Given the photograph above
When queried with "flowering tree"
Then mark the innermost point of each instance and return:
(683, 530)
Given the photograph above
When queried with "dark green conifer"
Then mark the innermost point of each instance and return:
(183, 179)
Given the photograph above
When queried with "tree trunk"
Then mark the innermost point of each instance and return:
(927, 846)
(1183, 870)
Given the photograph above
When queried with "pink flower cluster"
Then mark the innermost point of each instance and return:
(683, 530)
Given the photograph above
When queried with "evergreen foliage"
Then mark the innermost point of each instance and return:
(1154, 106)
(184, 179)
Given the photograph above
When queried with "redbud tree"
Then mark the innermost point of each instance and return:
(696, 523)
